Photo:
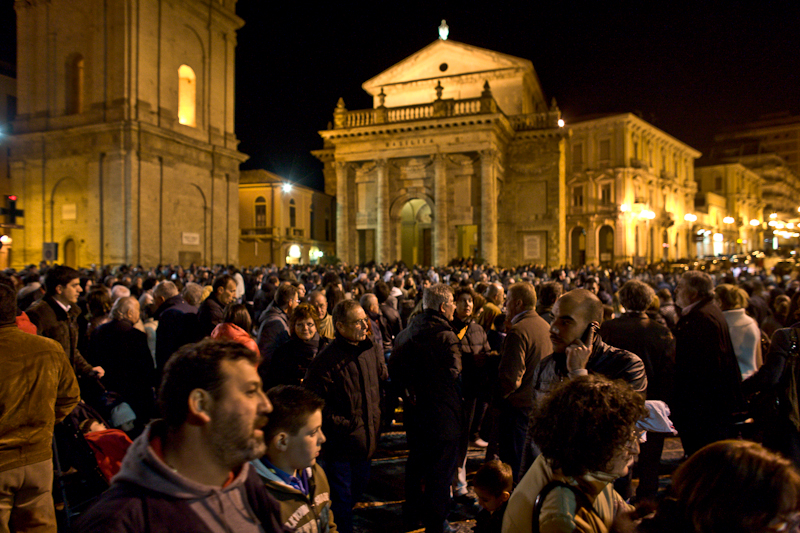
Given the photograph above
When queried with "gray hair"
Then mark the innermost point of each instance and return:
(436, 295)
(193, 293)
(699, 282)
(165, 289)
(122, 307)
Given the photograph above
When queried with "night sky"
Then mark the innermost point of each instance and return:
(690, 68)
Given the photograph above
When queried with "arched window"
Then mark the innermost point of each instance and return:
(75, 75)
(187, 96)
(292, 213)
(261, 212)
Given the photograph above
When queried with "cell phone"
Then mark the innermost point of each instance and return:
(588, 336)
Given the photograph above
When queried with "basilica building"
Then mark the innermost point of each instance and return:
(124, 148)
(460, 156)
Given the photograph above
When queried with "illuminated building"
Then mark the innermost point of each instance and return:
(283, 223)
(124, 148)
(459, 156)
(629, 186)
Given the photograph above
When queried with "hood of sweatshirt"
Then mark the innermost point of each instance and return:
(222, 509)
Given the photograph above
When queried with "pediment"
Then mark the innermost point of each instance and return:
(460, 59)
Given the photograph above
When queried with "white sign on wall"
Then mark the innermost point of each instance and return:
(69, 212)
(192, 239)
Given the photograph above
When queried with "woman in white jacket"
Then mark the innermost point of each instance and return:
(744, 330)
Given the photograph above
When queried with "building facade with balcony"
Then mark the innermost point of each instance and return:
(728, 228)
(629, 188)
(283, 223)
(460, 156)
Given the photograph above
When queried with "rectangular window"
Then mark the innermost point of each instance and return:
(605, 194)
(577, 156)
(261, 215)
(11, 108)
(718, 183)
(605, 150)
(577, 196)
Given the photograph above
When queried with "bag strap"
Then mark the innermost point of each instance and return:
(581, 501)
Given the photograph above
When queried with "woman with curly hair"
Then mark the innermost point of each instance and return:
(586, 430)
(731, 486)
(291, 359)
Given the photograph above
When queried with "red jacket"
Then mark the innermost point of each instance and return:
(24, 323)
(229, 331)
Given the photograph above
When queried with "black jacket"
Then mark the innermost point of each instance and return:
(54, 323)
(177, 325)
(426, 362)
(347, 376)
(209, 314)
(707, 376)
(474, 348)
(123, 353)
(652, 342)
(608, 361)
(290, 362)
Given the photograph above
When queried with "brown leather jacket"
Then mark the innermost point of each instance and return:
(38, 389)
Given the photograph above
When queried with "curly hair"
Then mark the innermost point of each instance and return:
(583, 422)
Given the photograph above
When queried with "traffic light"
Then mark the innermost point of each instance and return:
(10, 210)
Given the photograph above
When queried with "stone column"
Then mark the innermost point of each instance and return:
(440, 215)
(382, 234)
(343, 244)
(489, 206)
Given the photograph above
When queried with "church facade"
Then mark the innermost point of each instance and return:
(124, 148)
(460, 156)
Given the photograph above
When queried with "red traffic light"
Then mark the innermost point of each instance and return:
(13, 197)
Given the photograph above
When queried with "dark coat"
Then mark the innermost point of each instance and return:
(54, 323)
(177, 326)
(652, 342)
(426, 362)
(474, 349)
(394, 324)
(273, 332)
(347, 376)
(707, 377)
(290, 362)
(123, 353)
(527, 342)
(209, 314)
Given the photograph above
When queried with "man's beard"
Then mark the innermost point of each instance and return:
(233, 444)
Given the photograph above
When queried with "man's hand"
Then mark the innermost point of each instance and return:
(577, 355)
(100, 371)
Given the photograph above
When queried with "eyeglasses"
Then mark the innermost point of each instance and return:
(363, 322)
(789, 523)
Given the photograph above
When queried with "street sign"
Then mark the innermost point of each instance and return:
(50, 251)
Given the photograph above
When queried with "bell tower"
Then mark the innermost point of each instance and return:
(124, 148)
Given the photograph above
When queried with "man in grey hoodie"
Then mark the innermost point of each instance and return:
(189, 472)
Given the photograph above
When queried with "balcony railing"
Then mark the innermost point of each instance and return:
(261, 230)
(441, 108)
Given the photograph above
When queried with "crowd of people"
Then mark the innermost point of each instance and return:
(227, 399)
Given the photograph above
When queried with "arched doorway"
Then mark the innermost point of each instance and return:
(605, 245)
(578, 246)
(70, 254)
(415, 232)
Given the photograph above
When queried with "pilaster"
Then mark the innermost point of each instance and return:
(343, 244)
(489, 206)
(382, 233)
(440, 215)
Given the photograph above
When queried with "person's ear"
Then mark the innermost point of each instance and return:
(199, 407)
(505, 495)
(59, 289)
(281, 441)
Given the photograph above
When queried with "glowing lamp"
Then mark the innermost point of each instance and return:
(561, 123)
(689, 217)
(728, 220)
(287, 187)
(754, 222)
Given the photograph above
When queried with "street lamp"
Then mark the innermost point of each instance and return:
(689, 217)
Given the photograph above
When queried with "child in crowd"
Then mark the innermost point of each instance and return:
(289, 468)
(109, 445)
(492, 485)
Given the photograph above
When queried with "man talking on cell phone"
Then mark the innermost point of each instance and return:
(577, 351)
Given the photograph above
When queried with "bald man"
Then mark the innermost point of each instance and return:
(578, 350)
